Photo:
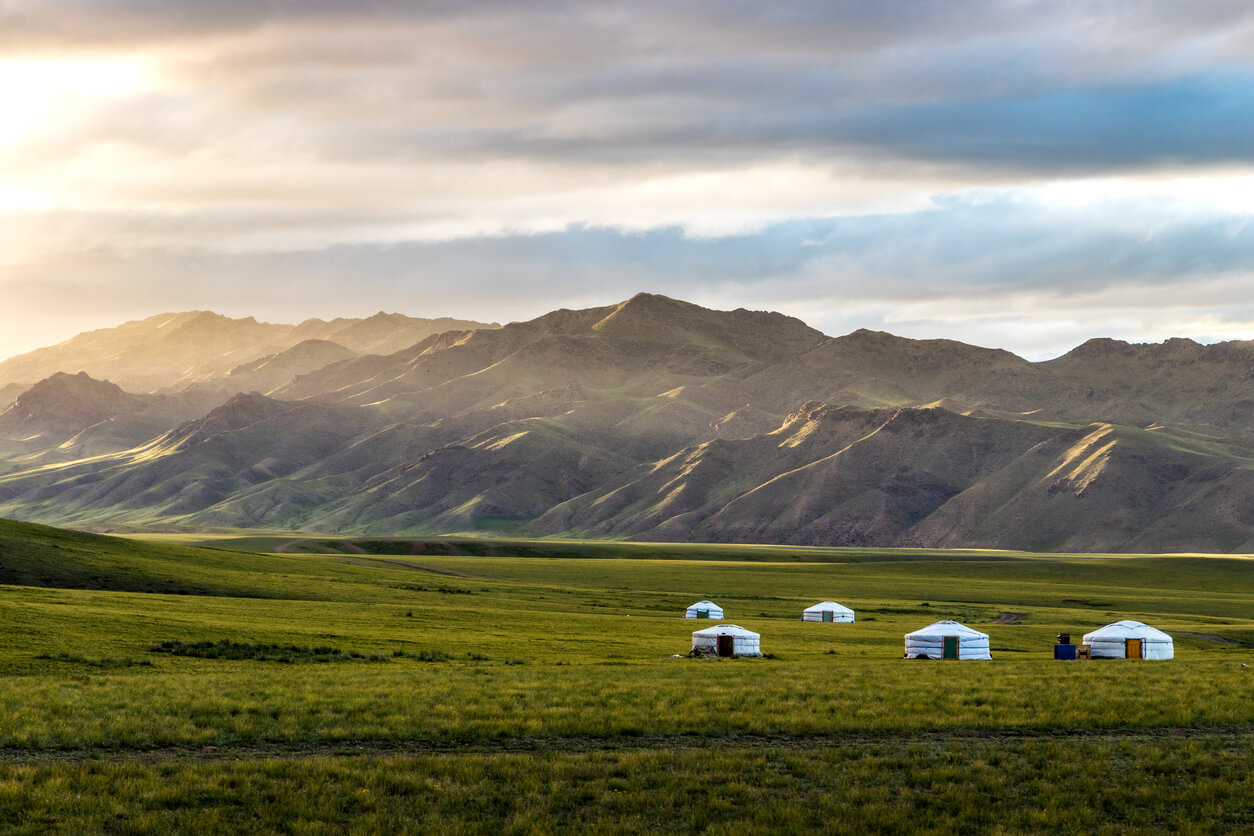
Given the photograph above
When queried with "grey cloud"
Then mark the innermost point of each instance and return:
(723, 115)
(92, 24)
(719, 24)
(1026, 87)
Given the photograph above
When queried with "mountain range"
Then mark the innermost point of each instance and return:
(652, 419)
(170, 352)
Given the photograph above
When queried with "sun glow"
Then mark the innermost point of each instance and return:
(34, 89)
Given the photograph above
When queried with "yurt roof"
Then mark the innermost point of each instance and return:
(726, 630)
(828, 606)
(1127, 630)
(948, 628)
(705, 604)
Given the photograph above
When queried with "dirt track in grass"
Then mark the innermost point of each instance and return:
(417, 567)
(557, 745)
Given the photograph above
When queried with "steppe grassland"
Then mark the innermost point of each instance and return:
(575, 657)
(924, 786)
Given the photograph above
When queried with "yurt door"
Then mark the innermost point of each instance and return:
(726, 645)
(949, 649)
(703, 613)
(827, 615)
(1132, 649)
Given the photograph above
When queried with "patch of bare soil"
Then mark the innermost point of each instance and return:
(1009, 617)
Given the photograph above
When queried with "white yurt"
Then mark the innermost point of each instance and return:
(726, 640)
(1129, 640)
(704, 609)
(827, 611)
(947, 640)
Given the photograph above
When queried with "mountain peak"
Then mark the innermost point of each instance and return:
(64, 403)
(208, 321)
(1099, 347)
(646, 298)
(305, 356)
(62, 387)
(646, 309)
(240, 411)
(724, 337)
(1105, 348)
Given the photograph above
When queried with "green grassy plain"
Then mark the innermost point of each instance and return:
(514, 686)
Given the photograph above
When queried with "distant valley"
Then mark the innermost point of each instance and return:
(652, 419)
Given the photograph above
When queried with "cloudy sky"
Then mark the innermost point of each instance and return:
(1015, 174)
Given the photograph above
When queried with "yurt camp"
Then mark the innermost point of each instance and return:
(704, 609)
(828, 611)
(947, 640)
(726, 640)
(1129, 640)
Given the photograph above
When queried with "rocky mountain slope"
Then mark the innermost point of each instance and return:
(657, 419)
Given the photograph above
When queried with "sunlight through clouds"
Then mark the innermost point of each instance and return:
(35, 89)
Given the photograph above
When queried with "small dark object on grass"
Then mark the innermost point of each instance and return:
(422, 655)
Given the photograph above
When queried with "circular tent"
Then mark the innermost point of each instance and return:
(726, 640)
(947, 640)
(1129, 640)
(827, 611)
(704, 609)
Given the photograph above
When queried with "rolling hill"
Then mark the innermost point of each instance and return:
(41, 556)
(653, 419)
